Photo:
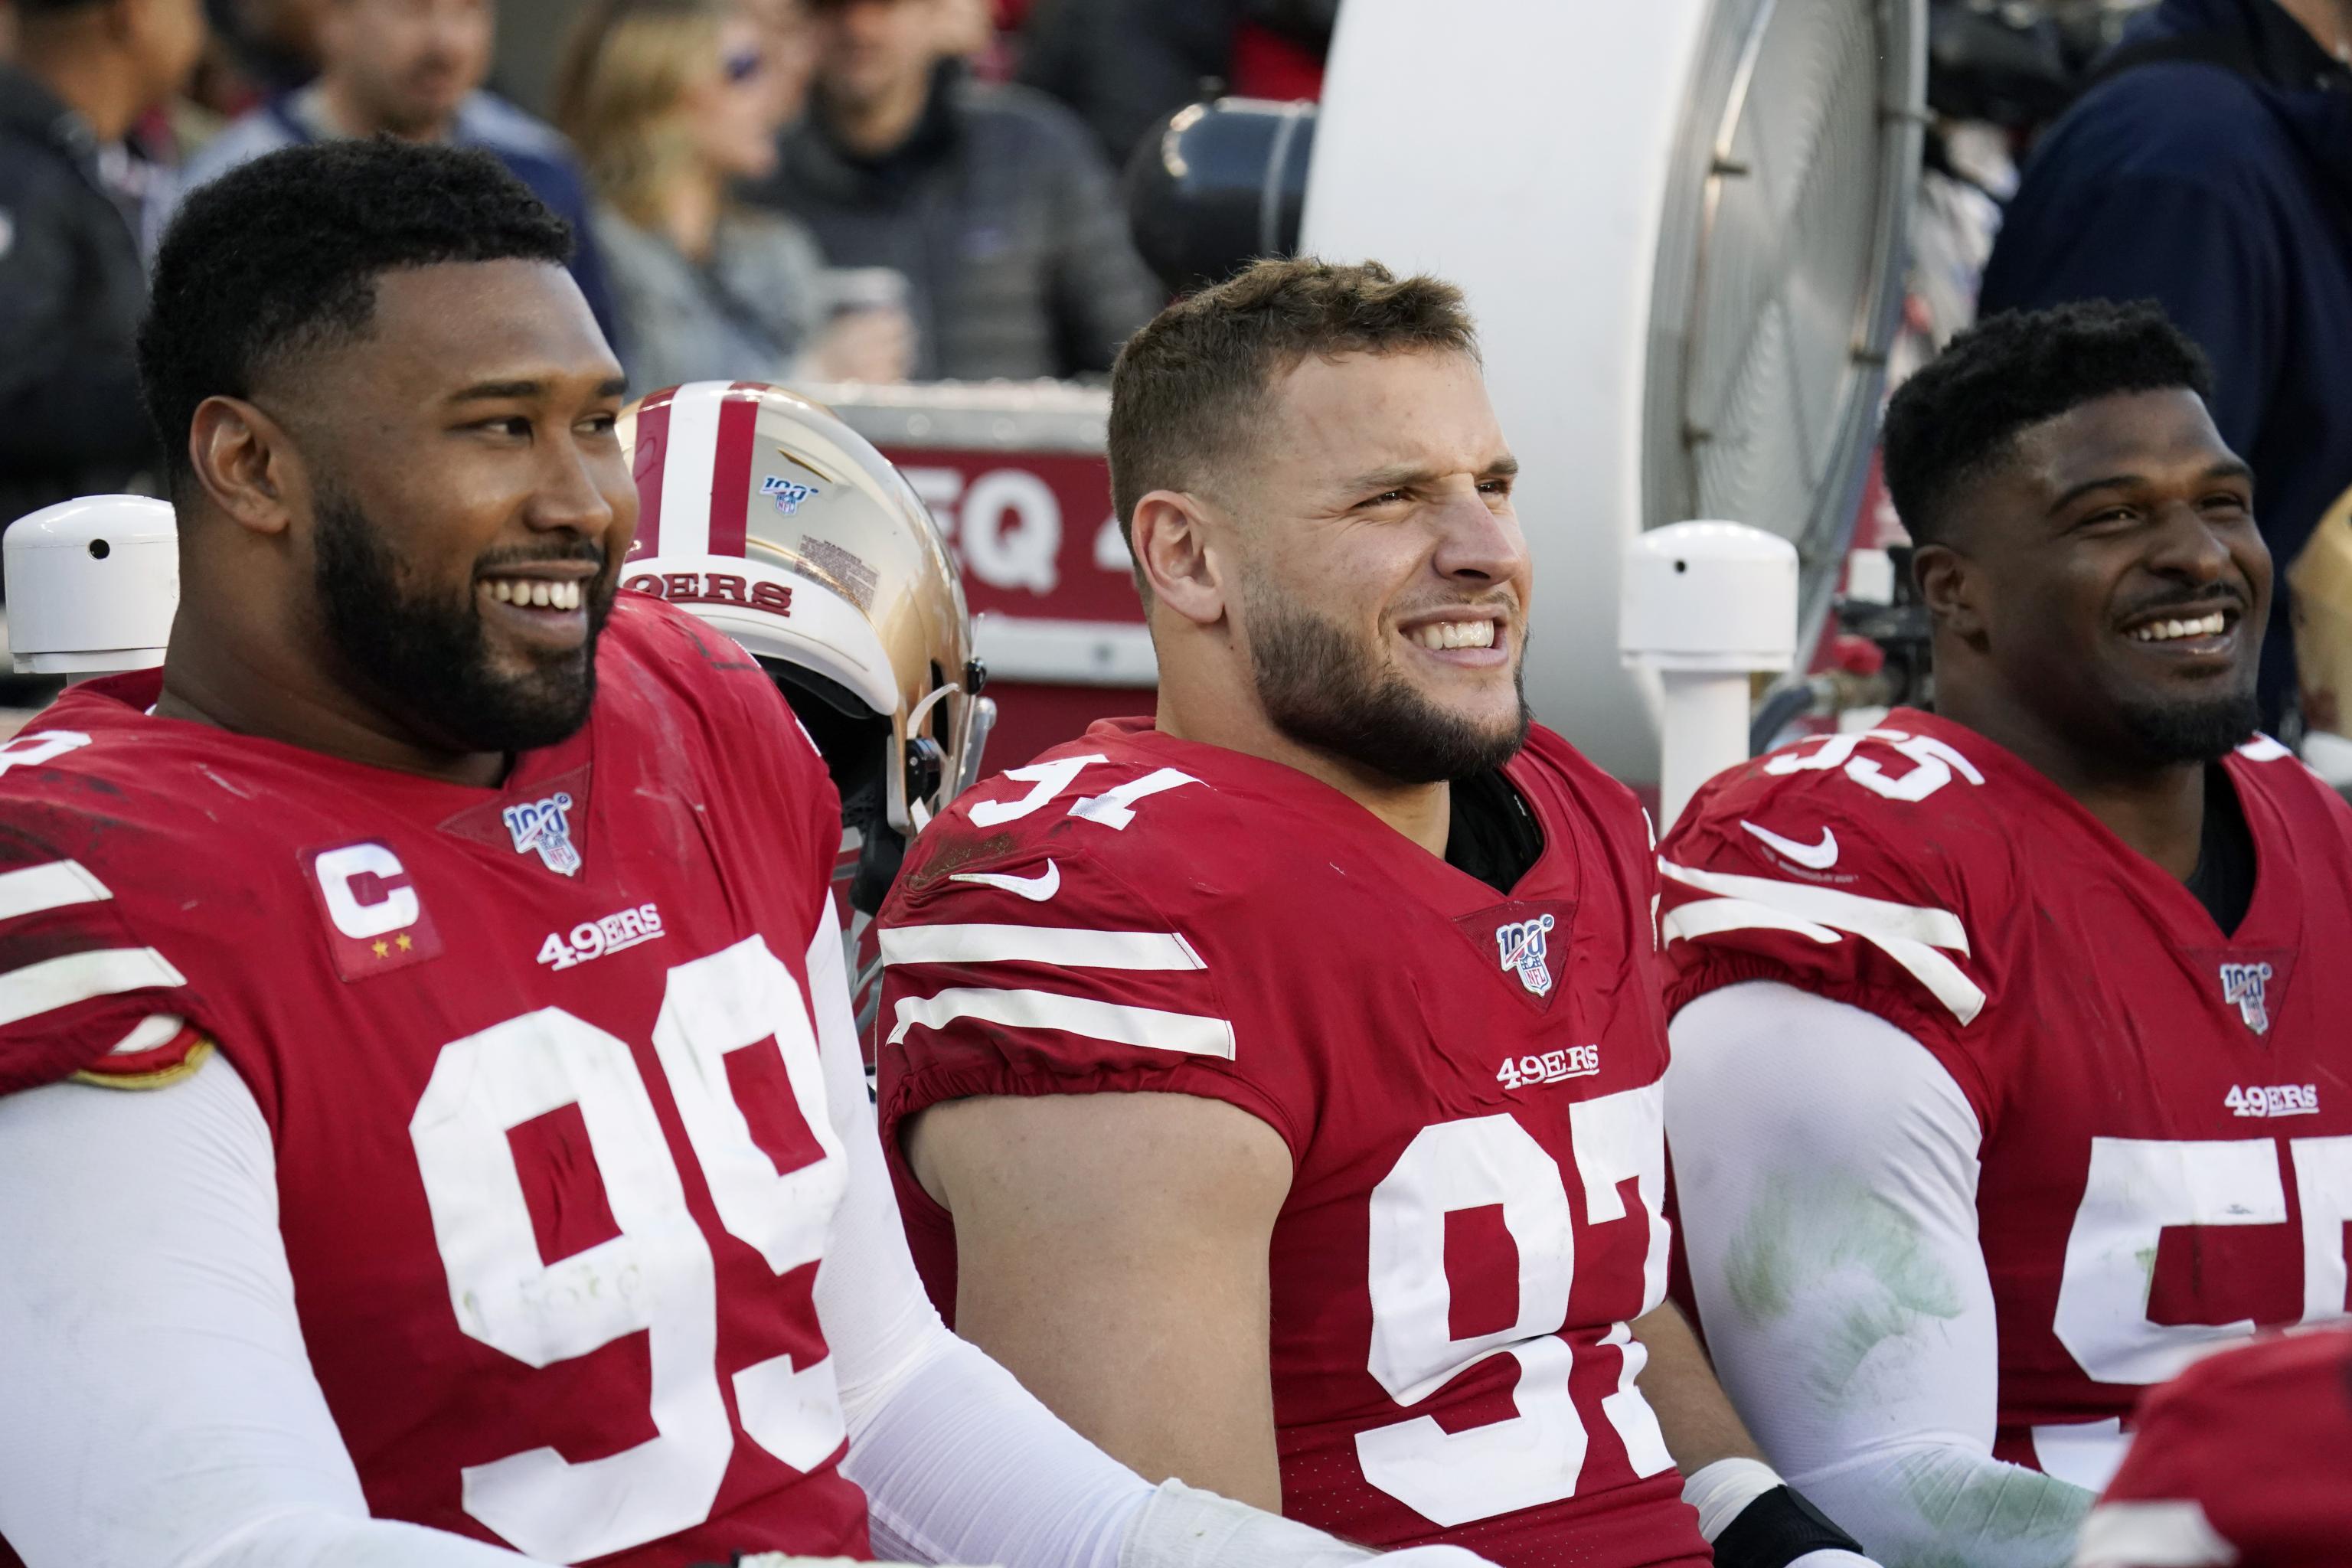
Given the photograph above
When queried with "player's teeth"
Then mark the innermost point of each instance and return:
(537, 592)
(2210, 625)
(1455, 633)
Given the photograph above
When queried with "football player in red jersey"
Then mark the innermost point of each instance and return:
(2242, 1461)
(1276, 1085)
(2008, 1074)
(428, 1090)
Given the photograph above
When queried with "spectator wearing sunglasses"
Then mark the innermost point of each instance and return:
(669, 102)
(993, 201)
(415, 70)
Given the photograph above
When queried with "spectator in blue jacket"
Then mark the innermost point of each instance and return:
(415, 70)
(2209, 168)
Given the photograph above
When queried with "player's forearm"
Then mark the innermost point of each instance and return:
(145, 1223)
(962, 1465)
(1829, 1216)
(1693, 1413)
(1923, 1504)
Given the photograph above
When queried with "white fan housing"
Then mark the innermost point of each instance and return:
(1679, 223)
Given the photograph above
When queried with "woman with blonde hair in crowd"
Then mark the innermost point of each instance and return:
(669, 103)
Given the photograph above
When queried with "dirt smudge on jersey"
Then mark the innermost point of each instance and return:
(1853, 1271)
(954, 855)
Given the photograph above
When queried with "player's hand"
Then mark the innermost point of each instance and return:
(1753, 1519)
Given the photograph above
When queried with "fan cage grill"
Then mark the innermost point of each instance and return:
(1780, 270)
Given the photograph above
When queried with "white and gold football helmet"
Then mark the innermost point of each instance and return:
(778, 524)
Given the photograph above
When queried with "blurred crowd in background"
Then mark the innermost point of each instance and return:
(781, 190)
(876, 191)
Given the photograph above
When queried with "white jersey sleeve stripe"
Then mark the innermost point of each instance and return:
(1062, 945)
(1189, 1033)
(2152, 1535)
(51, 886)
(1708, 916)
(1907, 933)
(1872, 918)
(78, 976)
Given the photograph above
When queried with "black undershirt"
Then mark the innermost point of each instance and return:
(1490, 833)
(2224, 878)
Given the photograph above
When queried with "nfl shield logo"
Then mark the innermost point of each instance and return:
(788, 493)
(542, 825)
(2247, 985)
(1522, 946)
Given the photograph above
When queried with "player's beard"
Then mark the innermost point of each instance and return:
(2198, 729)
(1318, 686)
(430, 657)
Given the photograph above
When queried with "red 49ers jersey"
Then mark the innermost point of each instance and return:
(2244, 1461)
(1469, 1085)
(553, 1159)
(2164, 1108)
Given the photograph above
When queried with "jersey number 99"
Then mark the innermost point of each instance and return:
(656, 1276)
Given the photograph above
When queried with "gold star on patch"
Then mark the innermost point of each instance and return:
(384, 950)
(403, 943)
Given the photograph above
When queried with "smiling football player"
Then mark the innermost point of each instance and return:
(2007, 1075)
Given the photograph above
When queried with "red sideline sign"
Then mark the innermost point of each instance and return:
(1040, 553)
(1033, 530)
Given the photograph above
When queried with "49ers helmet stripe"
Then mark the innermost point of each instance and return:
(778, 523)
(649, 459)
(730, 478)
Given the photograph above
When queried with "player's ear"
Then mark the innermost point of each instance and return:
(1949, 584)
(1174, 547)
(243, 462)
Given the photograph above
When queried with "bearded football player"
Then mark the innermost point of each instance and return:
(1984, 1016)
(429, 1086)
(1275, 1083)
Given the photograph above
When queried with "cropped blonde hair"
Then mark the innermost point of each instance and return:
(625, 71)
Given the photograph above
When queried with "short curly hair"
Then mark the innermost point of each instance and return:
(1958, 415)
(279, 257)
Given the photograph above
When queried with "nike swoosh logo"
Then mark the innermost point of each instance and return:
(1813, 856)
(1036, 889)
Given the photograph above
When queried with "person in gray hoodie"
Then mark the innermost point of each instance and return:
(994, 200)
